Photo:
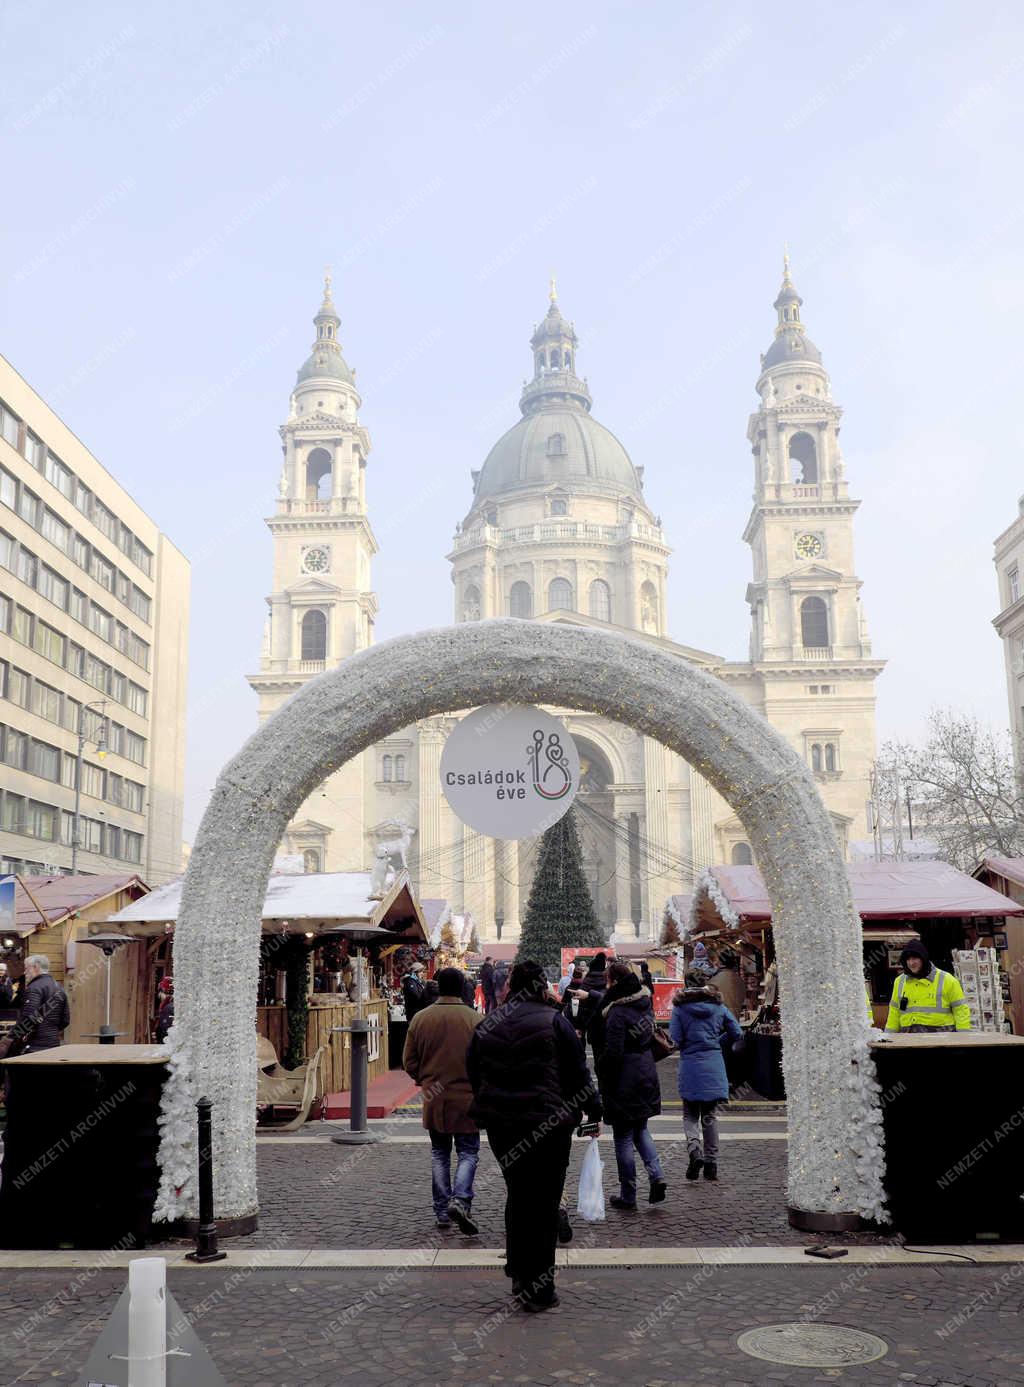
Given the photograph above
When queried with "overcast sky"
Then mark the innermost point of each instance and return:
(176, 178)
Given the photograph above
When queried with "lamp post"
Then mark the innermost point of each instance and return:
(101, 751)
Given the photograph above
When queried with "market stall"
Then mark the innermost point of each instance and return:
(897, 901)
(331, 951)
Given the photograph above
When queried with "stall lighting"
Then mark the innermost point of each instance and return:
(309, 934)
(8, 943)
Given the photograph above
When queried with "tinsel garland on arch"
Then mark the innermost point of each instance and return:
(835, 1158)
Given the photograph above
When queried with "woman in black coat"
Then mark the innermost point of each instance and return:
(630, 1092)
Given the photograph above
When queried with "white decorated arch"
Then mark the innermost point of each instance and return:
(835, 1157)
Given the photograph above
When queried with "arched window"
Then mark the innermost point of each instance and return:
(314, 636)
(319, 473)
(816, 757)
(556, 445)
(649, 608)
(830, 756)
(400, 768)
(560, 595)
(741, 855)
(600, 600)
(471, 604)
(520, 600)
(803, 459)
(559, 507)
(541, 361)
(387, 768)
(311, 860)
(814, 623)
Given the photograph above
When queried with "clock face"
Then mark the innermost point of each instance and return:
(809, 546)
(315, 560)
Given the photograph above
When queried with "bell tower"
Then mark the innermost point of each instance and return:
(321, 608)
(809, 645)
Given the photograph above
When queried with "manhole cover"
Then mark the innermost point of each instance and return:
(812, 1345)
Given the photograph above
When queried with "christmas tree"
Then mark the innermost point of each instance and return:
(560, 911)
(670, 934)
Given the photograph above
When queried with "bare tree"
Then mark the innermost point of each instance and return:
(962, 788)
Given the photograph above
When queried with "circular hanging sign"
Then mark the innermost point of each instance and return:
(509, 771)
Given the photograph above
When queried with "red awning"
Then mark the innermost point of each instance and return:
(881, 891)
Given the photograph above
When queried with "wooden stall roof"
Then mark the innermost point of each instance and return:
(733, 897)
(1010, 868)
(43, 901)
(328, 900)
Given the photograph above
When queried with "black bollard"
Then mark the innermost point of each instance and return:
(206, 1236)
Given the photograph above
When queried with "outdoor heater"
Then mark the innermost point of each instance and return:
(106, 1035)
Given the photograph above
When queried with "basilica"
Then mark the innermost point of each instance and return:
(558, 528)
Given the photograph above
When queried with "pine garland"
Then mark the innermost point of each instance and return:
(560, 911)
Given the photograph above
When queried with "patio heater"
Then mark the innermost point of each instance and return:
(358, 1133)
(106, 1035)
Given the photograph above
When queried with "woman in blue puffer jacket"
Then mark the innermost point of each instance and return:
(699, 1022)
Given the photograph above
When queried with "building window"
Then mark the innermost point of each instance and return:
(53, 588)
(520, 600)
(559, 506)
(816, 759)
(132, 846)
(600, 600)
(133, 796)
(134, 747)
(471, 604)
(319, 474)
(18, 687)
(12, 816)
(560, 595)
(7, 551)
(400, 768)
(94, 781)
(46, 702)
(556, 445)
(814, 623)
(387, 769)
(8, 489)
(830, 756)
(311, 860)
(9, 425)
(741, 855)
(27, 566)
(1013, 581)
(314, 636)
(22, 626)
(803, 459)
(41, 821)
(15, 748)
(649, 608)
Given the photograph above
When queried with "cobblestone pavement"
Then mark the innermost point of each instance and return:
(673, 1328)
(319, 1196)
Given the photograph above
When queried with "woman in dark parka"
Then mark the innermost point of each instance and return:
(630, 1091)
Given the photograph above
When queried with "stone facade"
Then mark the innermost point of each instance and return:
(559, 530)
(1009, 562)
(94, 616)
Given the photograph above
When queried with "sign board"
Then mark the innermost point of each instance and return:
(570, 955)
(510, 771)
(7, 915)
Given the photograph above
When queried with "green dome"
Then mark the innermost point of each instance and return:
(325, 361)
(556, 445)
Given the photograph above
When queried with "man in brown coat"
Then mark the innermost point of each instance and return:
(435, 1056)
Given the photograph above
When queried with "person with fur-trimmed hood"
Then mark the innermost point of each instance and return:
(699, 1021)
(621, 1034)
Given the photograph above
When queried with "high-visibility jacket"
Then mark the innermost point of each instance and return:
(937, 999)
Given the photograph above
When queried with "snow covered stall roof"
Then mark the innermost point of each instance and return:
(881, 891)
(329, 899)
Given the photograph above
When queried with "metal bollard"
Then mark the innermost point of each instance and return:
(358, 1133)
(206, 1236)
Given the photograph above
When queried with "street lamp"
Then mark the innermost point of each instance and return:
(101, 751)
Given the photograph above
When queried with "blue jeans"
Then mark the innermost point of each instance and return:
(629, 1136)
(467, 1151)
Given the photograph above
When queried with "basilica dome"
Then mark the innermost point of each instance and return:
(556, 445)
(325, 362)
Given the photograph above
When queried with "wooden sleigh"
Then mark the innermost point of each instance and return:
(277, 1087)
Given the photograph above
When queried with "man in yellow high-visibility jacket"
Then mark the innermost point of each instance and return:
(924, 998)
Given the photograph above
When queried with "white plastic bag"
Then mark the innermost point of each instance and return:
(590, 1200)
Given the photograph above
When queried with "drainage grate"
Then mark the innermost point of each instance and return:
(812, 1345)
